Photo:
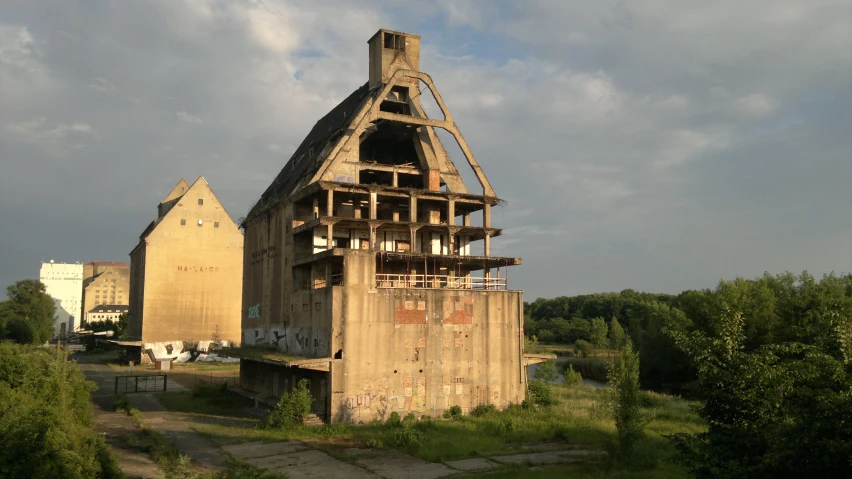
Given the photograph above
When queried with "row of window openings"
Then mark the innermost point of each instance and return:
(200, 222)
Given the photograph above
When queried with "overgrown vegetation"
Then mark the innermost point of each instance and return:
(291, 409)
(46, 419)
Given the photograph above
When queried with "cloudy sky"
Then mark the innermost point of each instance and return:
(658, 145)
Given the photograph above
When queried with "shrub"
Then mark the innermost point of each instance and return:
(584, 347)
(482, 410)
(546, 371)
(572, 378)
(375, 443)
(539, 393)
(407, 437)
(590, 368)
(291, 409)
(394, 420)
(409, 419)
(454, 413)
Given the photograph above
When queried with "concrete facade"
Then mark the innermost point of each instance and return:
(105, 282)
(363, 262)
(185, 276)
(64, 283)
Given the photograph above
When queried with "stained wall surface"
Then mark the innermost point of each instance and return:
(186, 277)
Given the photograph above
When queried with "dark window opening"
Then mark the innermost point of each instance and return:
(183, 222)
(200, 201)
(215, 224)
(338, 354)
(394, 42)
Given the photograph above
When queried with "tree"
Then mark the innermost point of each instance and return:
(780, 409)
(546, 372)
(29, 314)
(624, 400)
(616, 334)
(599, 331)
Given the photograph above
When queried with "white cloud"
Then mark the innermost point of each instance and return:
(187, 118)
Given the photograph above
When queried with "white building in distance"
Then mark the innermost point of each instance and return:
(64, 283)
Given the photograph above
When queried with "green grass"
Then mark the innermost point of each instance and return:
(578, 421)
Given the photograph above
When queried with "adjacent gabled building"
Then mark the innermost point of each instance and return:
(104, 283)
(368, 264)
(185, 277)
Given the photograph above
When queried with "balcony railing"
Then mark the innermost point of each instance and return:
(438, 281)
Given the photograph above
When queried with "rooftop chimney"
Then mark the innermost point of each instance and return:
(391, 51)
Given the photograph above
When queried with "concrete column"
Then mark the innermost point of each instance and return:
(329, 239)
(412, 208)
(486, 216)
(487, 245)
(330, 207)
(466, 219)
(316, 207)
(452, 242)
(373, 204)
(413, 239)
(395, 179)
(373, 238)
(395, 212)
(451, 212)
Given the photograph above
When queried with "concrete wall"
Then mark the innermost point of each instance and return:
(423, 350)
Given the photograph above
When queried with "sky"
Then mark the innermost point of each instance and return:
(658, 145)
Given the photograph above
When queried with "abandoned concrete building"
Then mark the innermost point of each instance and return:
(368, 268)
(185, 277)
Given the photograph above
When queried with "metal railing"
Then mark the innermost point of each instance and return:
(438, 281)
(141, 384)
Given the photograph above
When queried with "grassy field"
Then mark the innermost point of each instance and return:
(577, 421)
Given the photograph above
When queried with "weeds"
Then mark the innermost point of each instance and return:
(291, 409)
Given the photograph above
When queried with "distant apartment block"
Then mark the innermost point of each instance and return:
(185, 277)
(64, 283)
(105, 282)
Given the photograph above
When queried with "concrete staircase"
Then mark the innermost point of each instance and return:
(313, 420)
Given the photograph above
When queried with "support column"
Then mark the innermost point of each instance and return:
(466, 219)
(451, 212)
(486, 216)
(330, 239)
(330, 206)
(316, 207)
(395, 179)
(412, 209)
(413, 240)
(373, 204)
(373, 238)
(487, 244)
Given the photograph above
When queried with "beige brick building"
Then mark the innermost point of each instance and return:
(368, 262)
(185, 276)
(105, 282)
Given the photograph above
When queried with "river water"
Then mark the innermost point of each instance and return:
(560, 367)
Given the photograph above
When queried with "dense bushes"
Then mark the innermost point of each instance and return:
(45, 419)
(28, 315)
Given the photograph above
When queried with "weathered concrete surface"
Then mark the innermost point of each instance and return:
(296, 461)
(476, 464)
(548, 457)
(251, 450)
(394, 465)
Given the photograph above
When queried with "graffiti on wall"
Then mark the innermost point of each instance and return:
(180, 351)
(344, 179)
(254, 311)
(293, 340)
